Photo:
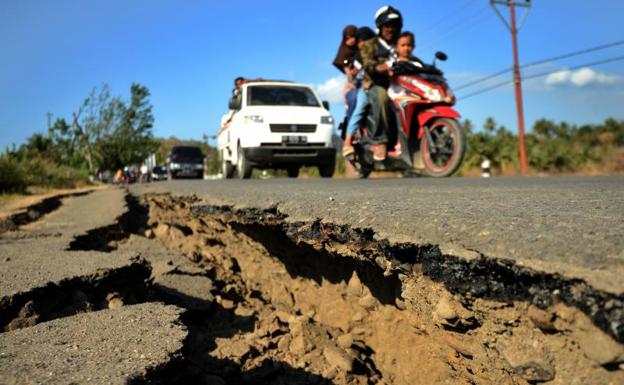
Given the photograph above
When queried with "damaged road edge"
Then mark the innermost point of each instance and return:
(35, 211)
(481, 277)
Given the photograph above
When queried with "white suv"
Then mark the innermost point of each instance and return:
(276, 124)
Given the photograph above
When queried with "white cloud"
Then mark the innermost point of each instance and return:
(586, 76)
(581, 78)
(331, 89)
(559, 77)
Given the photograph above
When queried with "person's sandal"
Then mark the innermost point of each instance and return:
(347, 148)
(379, 151)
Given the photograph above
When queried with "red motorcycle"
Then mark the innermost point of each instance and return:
(429, 139)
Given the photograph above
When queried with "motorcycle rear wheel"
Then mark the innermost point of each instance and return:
(448, 145)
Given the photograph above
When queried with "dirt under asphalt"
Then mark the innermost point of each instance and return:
(273, 302)
(311, 303)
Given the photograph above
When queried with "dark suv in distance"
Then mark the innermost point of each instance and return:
(185, 161)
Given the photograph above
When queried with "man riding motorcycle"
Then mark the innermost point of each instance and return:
(377, 55)
(416, 118)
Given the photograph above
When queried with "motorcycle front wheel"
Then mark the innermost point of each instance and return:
(444, 154)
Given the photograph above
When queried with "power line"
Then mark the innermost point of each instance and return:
(506, 82)
(467, 23)
(454, 11)
(575, 53)
(542, 61)
(481, 80)
(483, 90)
(604, 61)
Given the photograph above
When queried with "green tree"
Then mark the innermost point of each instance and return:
(105, 132)
(132, 140)
(494, 142)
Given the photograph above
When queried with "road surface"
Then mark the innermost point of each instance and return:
(568, 225)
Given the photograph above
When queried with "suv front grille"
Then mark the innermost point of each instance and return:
(286, 128)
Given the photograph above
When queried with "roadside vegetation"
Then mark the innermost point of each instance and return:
(107, 133)
(552, 148)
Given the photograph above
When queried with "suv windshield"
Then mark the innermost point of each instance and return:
(266, 95)
(188, 154)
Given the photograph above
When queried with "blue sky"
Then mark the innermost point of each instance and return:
(188, 53)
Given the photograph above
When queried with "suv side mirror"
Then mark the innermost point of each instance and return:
(441, 56)
(326, 104)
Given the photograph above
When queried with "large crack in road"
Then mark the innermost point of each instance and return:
(267, 300)
(35, 211)
(325, 303)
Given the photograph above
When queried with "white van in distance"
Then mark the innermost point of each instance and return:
(276, 124)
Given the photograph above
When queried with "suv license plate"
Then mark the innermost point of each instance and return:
(294, 139)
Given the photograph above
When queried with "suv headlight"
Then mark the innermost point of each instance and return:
(327, 119)
(253, 119)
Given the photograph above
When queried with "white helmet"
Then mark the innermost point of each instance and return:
(386, 14)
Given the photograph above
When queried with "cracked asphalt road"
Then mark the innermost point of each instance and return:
(76, 304)
(41, 280)
(568, 225)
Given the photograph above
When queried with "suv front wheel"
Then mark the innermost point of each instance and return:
(226, 167)
(243, 168)
(293, 171)
(327, 170)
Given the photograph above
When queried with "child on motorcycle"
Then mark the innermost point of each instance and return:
(359, 111)
(405, 47)
(344, 60)
(405, 62)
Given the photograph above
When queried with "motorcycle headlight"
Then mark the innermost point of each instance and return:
(253, 119)
(431, 93)
(434, 95)
(327, 119)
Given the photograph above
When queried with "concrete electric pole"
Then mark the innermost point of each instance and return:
(513, 28)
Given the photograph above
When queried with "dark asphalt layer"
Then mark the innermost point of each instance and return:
(569, 225)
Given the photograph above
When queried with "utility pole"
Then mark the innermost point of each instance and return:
(513, 28)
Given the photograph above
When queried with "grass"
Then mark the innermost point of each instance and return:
(16, 176)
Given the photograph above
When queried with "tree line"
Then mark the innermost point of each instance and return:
(551, 147)
(105, 133)
(108, 132)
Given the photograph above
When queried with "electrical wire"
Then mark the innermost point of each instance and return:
(542, 61)
(575, 53)
(595, 63)
(447, 16)
(470, 21)
(481, 80)
(506, 82)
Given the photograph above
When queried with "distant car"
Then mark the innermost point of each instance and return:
(159, 173)
(185, 161)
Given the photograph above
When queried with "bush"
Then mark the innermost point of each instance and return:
(16, 176)
(12, 176)
(43, 172)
